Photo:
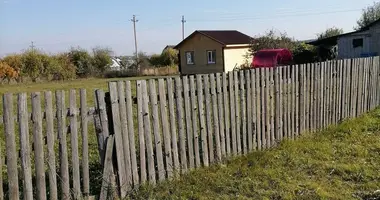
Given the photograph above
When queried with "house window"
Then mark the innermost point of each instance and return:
(357, 42)
(211, 55)
(190, 57)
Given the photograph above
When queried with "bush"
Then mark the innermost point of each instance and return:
(33, 64)
(66, 70)
(7, 72)
(101, 60)
(82, 60)
(15, 61)
(122, 73)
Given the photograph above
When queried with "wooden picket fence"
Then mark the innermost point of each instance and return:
(170, 126)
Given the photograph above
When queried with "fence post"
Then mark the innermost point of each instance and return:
(116, 131)
(38, 145)
(24, 146)
(62, 132)
(10, 142)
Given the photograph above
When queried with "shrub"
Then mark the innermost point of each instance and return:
(15, 61)
(33, 64)
(7, 72)
(66, 70)
(82, 61)
(101, 60)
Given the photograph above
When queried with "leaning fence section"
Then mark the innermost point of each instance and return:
(189, 122)
(148, 131)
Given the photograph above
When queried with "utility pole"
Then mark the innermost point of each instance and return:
(134, 31)
(183, 27)
(32, 46)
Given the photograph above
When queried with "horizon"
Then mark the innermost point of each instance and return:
(57, 26)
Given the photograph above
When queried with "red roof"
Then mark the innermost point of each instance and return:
(272, 57)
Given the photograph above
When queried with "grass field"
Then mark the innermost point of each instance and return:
(342, 162)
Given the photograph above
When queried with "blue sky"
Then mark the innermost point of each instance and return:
(57, 25)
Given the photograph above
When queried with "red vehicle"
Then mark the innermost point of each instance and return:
(272, 58)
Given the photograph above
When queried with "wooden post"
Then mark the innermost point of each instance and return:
(148, 133)
(53, 193)
(260, 111)
(181, 128)
(10, 142)
(227, 116)
(102, 112)
(243, 118)
(114, 101)
(63, 157)
(189, 127)
(253, 109)
(74, 144)
(165, 128)
(233, 116)
(249, 109)
(302, 99)
(220, 94)
(208, 108)
(194, 119)
(285, 104)
(237, 113)
(264, 108)
(272, 107)
(124, 134)
(84, 134)
(131, 132)
(156, 129)
(24, 146)
(38, 146)
(107, 185)
(173, 127)
(216, 129)
(277, 104)
(140, 114)
(202, 121)
(297, 102)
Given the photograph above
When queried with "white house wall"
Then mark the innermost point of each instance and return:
(234, 57)
(345, 48)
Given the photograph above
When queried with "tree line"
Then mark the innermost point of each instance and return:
(35, 65)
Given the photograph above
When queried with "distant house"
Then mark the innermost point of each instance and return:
(168, 47)
(213, 51)
(116, 64)
(361, 43)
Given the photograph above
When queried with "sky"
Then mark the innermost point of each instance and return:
(57, 25)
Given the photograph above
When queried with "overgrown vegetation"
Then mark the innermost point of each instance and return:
(341, 162)
(369, 15)
(36, 65)
(302, 52)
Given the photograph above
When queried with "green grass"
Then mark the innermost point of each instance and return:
(342, 162)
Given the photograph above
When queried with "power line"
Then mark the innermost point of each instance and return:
(273, 16)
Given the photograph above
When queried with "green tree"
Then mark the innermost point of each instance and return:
(302, 53)
(82, 61)
(369, 15)
(330, 32)
(33, 64)
(271, 40)
(101, 59)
